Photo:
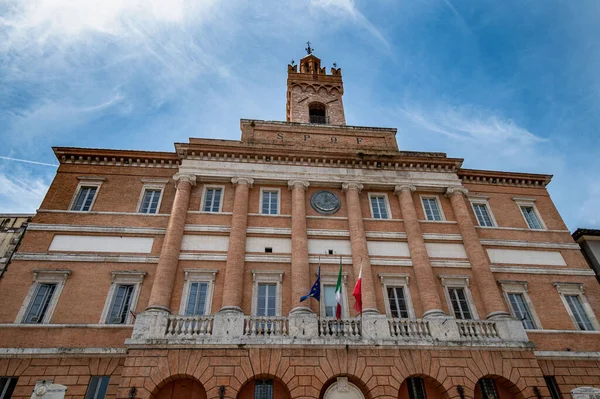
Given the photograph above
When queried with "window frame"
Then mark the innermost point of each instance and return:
(152, 184)
(267, 277)
(260, 204)
(530, 202)
(483, 201)
(386, 202)
(198, 276)
(576, 289)
(44, 276)
(86, 181)
(123, 277)
(263, 380)
(438, 203)
(390, 280)
(204, 191)
(416, 380)
(330, 278)
(520, 287)
(7, 386)
(464, 282)
(99, 384)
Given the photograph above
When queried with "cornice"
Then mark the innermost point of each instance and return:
(106, 157)
(504, 178)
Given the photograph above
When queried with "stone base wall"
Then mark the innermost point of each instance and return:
(73, 372)
(378, 372)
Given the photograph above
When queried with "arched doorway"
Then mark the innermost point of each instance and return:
(341, 388)
(421, 387)
(266, 387)
(496, 387)
(181, 388)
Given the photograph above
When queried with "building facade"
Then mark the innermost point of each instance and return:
(179, 274)
(589, 241)
(12, 228)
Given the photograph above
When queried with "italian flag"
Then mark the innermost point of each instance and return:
(338, 294)
(357, 293)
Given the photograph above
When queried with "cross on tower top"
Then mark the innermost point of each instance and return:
(309, 49)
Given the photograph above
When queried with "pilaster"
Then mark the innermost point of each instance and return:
(300, 265)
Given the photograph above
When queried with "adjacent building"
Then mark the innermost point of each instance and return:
(179, 274)
(589, 241)
(12, 228)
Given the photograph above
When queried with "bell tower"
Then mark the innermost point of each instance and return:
(313, 96)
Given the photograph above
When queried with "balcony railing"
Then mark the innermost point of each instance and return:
(477, 329)
(189, 326)
(232, 327)
(409, 328)
(331, 327)
(265, 326)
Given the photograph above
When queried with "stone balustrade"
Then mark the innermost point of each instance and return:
(160, 328)
(409, 328)
(265, 326)
(338, 328)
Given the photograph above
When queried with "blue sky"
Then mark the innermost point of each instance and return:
(507, 85)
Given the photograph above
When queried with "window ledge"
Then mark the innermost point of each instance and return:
(75, 325)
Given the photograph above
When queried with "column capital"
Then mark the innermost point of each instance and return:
(352, 185)
(185, 177)
(456, 190)
(404, 187)
(243, 180)
(298, 183)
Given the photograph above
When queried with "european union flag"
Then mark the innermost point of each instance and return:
(315, 291)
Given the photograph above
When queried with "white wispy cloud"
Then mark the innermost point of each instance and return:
(20, 192)
(348, 9)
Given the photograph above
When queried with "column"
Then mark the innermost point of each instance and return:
(234, 268)
(360, 251)
(486, 283)
(426, 281)
(300, 269)
(162, 287)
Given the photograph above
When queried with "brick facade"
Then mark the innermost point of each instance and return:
(163, 353)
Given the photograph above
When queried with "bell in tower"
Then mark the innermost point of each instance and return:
(313, 96)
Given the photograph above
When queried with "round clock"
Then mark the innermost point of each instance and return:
(325, 202)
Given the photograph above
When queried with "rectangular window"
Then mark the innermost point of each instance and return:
(97, 387)
(119, 309)
(7, 386)
(488, 389)
(432, 209)
(39, 305)
(416, 388)
(270, 201)
(521, 310)
(196, 304)
(84, 199)
(531, 217)
(460, 305)
(330, 301)
(378, 206)
(263, 389)
(398, 307)
(483, 215)
(266, 301)
(212, 199)
(552, 387)
(150, 201)
(581, 318)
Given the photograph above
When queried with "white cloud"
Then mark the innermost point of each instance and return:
(20, 192)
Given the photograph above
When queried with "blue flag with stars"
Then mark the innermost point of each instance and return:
(315, 291)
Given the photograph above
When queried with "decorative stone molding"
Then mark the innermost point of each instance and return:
(569, 287)
(58, 275)
(185, 177)
(352, 185)
(243, 180)
(91, 178)
(133, 276)
(454, 190)
(298, 183)
(404, 187)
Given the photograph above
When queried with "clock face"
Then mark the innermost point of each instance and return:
(325, 202)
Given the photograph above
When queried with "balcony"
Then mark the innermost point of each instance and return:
(156, 328)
